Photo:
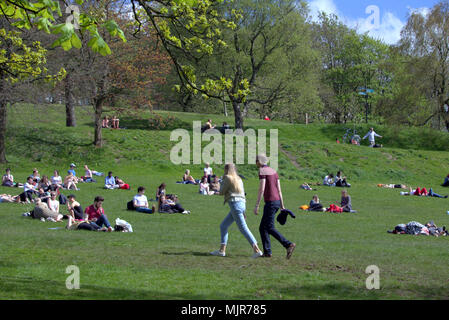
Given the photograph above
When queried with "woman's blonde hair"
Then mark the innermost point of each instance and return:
(230, 171)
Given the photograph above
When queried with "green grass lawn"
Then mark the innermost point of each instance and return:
(167, 256)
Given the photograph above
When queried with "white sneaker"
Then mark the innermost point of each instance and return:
(43, 219)
(257, 255)
(218, 253)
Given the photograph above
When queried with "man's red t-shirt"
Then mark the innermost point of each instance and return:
(271, 180)
(93, 213)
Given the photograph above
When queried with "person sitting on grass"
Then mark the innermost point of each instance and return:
(115, 122)
(315, 204)
(56, 181)
(53, 203)
(121, 184)
(329, 180)
(188, 179)
(96, 216)
(446, 182)
(160, 191)
(168, 204)
(346, 201)
(140, 202)
(72, 169)
(208, 172)
(8, 179)
(215, 185)
(109, 182)
(204, 188)
(44, 196)
(70, 182)
(105, 122)
(44, 184)
(36, 176)
(41, 211)
(340, 180)
(29, 190)
(88, 175)
(74, 208)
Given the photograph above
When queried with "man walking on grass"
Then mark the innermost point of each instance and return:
(270, 188)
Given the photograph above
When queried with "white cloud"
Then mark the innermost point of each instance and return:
(422, 11)
(388, 29)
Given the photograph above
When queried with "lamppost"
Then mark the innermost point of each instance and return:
(365, 92)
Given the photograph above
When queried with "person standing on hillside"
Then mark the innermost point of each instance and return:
(371, 137)
(270, 188)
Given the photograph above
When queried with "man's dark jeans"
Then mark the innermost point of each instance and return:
(267, 227)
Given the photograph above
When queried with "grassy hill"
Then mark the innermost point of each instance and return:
(167, 255)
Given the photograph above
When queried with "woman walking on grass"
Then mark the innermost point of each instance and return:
(234, 194)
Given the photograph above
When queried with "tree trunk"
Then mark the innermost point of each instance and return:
(98, 139)
(237, 115)
(3, 105)
(69, 104)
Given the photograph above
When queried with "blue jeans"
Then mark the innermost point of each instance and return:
(236, 214)
(103, 220)
(267, 228)
(144, 210)
(433, 194)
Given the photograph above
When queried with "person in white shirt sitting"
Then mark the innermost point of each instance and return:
(208, 172)
(204, 188)
(329, 180)
(56, 181)
(140, 202)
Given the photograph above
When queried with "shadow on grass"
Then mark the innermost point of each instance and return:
(188, 253)
(28, 288)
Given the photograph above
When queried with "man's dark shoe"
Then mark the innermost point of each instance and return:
(267, 255)
(290, 250)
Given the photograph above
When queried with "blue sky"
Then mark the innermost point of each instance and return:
(384, 20)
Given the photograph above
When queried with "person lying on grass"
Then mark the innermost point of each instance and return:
(9, 198)
(95, 214)
(392, 186)
(423, 193)
(140, 202)
(416, 228)
(168, 204)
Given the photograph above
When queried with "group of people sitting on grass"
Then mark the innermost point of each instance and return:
(42, 187)
(110, 123)
(416, 228)
(345, 204)
(340, 180)
(167, 203)
(114, 182)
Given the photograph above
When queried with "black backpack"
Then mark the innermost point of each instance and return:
(62, 199)
(130, 205)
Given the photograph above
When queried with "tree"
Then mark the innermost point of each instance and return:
(19, 63)
(427, 38)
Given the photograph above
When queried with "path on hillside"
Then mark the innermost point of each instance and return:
(291, 157)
